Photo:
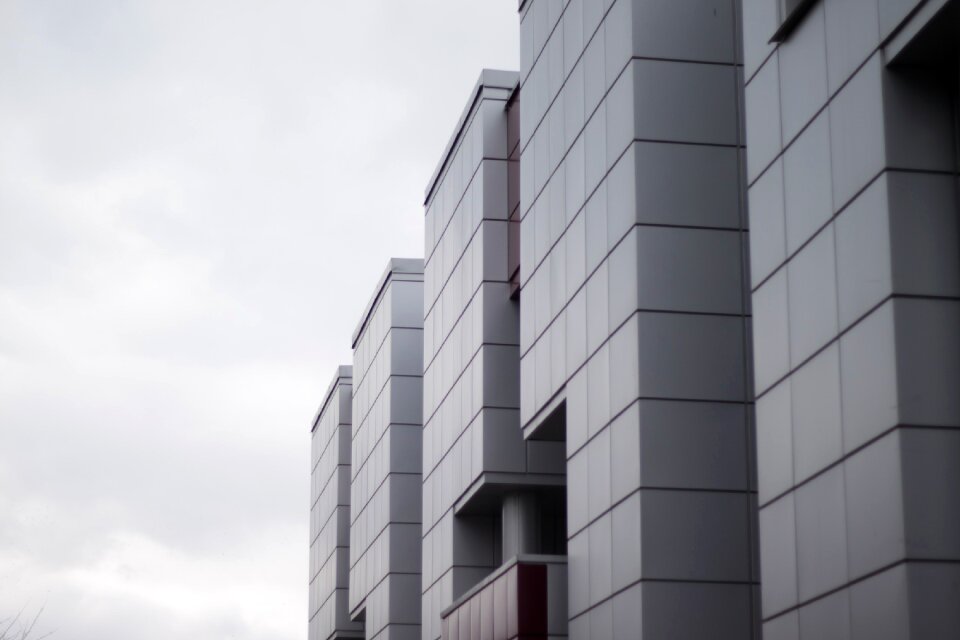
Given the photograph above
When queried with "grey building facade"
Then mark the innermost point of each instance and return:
(852, 166)
(330, 441)
(385, 485)
(634, 325)
(690, 344)
(481, 478)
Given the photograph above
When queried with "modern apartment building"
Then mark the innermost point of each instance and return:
(688, 326)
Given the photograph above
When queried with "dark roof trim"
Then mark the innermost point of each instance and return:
(397, 269)
(791, 21)
(343, 375)
(489, 79)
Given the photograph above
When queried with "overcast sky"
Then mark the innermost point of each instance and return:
(196, 200)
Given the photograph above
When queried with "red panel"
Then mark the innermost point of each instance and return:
(514, 606)
(532, 600)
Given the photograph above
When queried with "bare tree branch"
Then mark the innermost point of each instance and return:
(14, 629)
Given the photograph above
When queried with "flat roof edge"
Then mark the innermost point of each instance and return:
(489, 79)
(396, 266)
(344, 372)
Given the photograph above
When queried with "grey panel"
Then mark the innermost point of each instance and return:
(691, 357)
(759, 22)
(601, 620)
(853, 32)
(576, 403)
(827, 618)
(774, 442)
(406, 400)
(864, 272)
(626, 542)
(784, 627)
(624, 366)
(722, 611)
(594, 72)
(596, 228)
(624, 275)
(598, 389)
(767, 224)
(928, 361)
(544, 456)
(598, 456)
(578, 564)
(576, 262)
(878, 606)
(702, 31)
(501, 375)
(763, 116)
(934, 593)
(892, 13)
(924, 229)
(576, 334)
(857, 148)
(868, 378)
(619, 110)
(771, 332)
(405, 498)
(693, 445)
(806, 169)
(628, 613)
(931, 492)
(689, 270)
(502, 441)
(600, 569)
(598, 305)
(685, 102)
(405, 442)
(573, 39)
(404, 549)
(707, 196)
(812, 286)
(778, 556)
(677, 545)
(817, 433)
(821, 534)
(625, 453)
(406, 304)
(578, 500)
(595, 147)
(803, 70)
(875, 513)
